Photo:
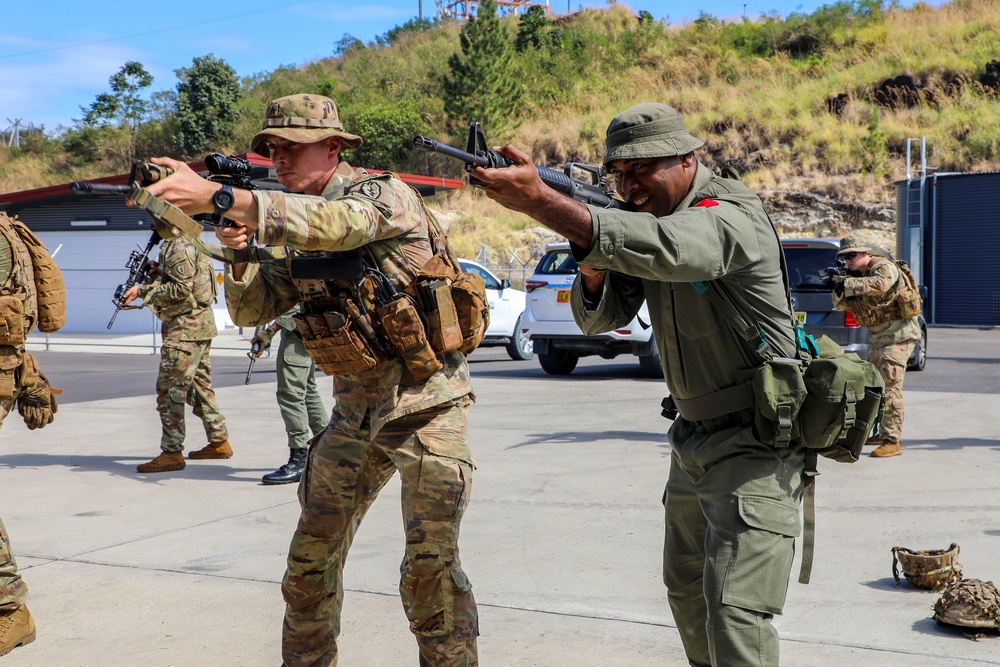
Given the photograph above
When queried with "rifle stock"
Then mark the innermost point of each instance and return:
(477, 154)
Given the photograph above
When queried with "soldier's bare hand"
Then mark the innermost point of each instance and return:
(236, 237)
(515, 187)
(130, 295)
(184, 188)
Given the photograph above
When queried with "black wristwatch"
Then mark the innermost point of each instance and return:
(223, 200)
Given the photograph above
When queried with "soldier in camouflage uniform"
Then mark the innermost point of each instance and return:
(690, 243)
(21, 384)
(384, 419)
(868, 292)
(181, 295)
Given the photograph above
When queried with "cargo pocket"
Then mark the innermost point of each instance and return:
(757, 577)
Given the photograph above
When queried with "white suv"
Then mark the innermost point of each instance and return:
(506, 306)
(558, 341)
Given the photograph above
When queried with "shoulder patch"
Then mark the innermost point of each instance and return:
(377, 190)
(707, 203)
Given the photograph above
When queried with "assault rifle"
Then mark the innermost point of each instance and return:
(831, 273)
(254, 351)
(476, 154)
(232, 171)
(138, 274)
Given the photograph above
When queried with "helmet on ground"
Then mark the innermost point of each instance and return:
(970, 603)
(933, 569)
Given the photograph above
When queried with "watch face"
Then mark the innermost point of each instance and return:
(223, 199)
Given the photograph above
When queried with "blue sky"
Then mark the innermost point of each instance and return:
(57, 56)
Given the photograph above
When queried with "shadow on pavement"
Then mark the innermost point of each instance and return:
(124, 466)
(578, 438)
(950, 444)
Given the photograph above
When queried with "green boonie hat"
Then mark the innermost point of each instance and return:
(302, 118)
(852, 244)
(650, 129)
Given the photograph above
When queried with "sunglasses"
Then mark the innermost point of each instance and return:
(850, 255)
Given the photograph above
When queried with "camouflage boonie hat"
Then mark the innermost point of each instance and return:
(646, 130)
(852, 244)
(302, 118)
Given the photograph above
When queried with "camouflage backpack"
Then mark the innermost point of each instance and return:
(35, 279)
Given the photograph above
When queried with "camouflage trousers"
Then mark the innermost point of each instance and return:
(891, 359)
(343, 476)
(732, 516)
(299, 401)
(13, 590)
(185, 378)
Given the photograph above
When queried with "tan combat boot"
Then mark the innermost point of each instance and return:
(213, 450)
(887, 449)
(874, 441)
(16, 629)
(165, 462)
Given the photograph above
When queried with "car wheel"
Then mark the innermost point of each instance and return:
(918, 360)
(558, 362)
(520, 347)
(650, 364)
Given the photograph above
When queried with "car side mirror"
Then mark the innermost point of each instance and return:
(504, 284)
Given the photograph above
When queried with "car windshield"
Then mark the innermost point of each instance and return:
(807, 267)
(558, 262)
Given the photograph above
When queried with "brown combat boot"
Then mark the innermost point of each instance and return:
(213, 450)
(887, 449)
(16, 629)
(165, 462)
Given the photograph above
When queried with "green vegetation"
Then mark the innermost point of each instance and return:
(819, 103)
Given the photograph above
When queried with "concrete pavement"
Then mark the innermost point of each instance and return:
(562, 539)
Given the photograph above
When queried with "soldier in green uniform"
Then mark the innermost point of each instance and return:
(731, 500)
(21, 384)
(181, 296)
(869, 291)
(299, 401)
(386, 418)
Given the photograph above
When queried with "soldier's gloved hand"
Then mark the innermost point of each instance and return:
(262, 339)
(838, 284)
(37, 401)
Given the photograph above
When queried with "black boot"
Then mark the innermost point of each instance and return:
(291, 471)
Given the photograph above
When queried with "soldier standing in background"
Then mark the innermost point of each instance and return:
(299, 401)
(181, 296)
(872, 291)
(22, 384)
(406, 413)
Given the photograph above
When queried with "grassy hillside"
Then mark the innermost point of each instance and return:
(814, 110)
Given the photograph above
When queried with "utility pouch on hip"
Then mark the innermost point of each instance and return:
(10, 360)
(443, 329)
(402, 324)
(779, 391)
(334, 343)
(844, 403)
(473, 309)
(11, 321)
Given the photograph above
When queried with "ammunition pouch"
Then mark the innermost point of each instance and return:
(11, 321)
(11, 359)
(454, 305)
(336, 342)
(832, 405)
(405, 331)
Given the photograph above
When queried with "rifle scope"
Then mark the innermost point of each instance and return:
(217, 163)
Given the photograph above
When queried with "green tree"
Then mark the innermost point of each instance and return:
(123, 108)
(482, 84)
(531, 29)
(875, 158)
(388, 131)
(207, 105)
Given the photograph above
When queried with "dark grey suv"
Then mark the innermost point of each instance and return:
(807, 260)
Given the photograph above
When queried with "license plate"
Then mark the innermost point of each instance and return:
(562, 296)
(801, 317)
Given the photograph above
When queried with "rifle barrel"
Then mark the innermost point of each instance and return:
(444, 149)
(85, 188)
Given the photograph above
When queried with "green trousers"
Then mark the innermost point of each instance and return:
(13, 590)
(343, 477)
(732, 516)
(299, 401)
